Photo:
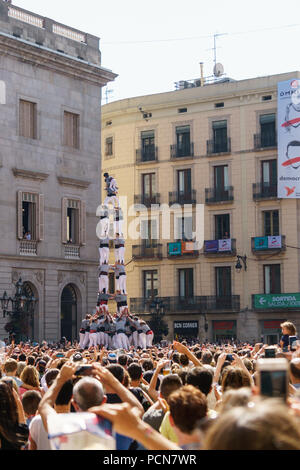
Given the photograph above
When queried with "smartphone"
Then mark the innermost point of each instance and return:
(292, 340)
(60, 355)
(270, 353)
(229, 357)
(273, 377)
(84, 370)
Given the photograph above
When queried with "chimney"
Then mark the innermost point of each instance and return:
(201, 74)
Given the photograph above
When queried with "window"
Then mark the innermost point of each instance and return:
(71, 129)
(148, 145)
(269, 173)
(184, 229)
(221, 177)
(108, 146)
(27, 119)
(182, 110)
(272, 281)
(73, 222)
(223, 281)
(30, 220)
(149, 232)
(220, 141)
(150, 284)
(148, 187)
(222, 226)
(184, 182)
(186, 283)
(183, 141)
(271, 223)
(268, 130)
(266, 98)
(219, 105)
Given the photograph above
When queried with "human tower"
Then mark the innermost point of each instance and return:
(120, 330)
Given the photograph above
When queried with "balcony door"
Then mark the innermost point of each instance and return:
(184, 184)
(221, 182)
(268, 130)
(186, 283)
(271, 223)
(222, 226)
(183, 141)
(220, 136)
(148, 146)
(269, 176)
(272, 280)
(223, 287)
(148, 188)
(150, 284)
(149, 233)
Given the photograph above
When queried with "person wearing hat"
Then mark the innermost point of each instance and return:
(112, 190)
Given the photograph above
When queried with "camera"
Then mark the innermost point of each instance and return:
(273, 377)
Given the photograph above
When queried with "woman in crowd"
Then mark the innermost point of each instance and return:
(13, 430)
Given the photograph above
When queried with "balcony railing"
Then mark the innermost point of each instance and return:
(147, 154)
(218, 147)
(214, 195)
(180, 197)
(221, 247)
(264, 191)
(72, 251)
(268, 244)
(182, 249)
(153, 251)
(195, 304)
(146, 200)
(265, 140)
(179, 151)
(28, 248)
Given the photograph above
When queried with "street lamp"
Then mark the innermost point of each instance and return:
(238, 265)
(19, 307)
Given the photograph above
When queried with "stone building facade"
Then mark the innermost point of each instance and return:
(51, 80)
(213, 145)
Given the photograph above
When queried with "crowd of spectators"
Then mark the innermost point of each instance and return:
(167, 397)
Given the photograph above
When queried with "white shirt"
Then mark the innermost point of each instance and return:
(39, 434)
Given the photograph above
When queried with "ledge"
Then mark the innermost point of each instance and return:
(29, 174)
(63, 180)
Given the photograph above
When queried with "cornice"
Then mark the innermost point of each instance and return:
(82, 184)
(54, 61)
(29, 174)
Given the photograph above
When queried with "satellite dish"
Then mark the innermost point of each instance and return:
(218, 70)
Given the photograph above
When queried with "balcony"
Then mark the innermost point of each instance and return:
(215, 196)
(145, 200)
(269, 244)
(72, 251)
(217, 148)
(221, 247)
(182, 151)
(264, 191)
(265, 141)
(147, 154)
(28, 248)
(276, 302)
(182, 249)
(193, 304)
(228, 303)
(180, 197)
(153, 251)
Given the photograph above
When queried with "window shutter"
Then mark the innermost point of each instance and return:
(19, 215)
(40, 218)
(64, 212)
(82, 223)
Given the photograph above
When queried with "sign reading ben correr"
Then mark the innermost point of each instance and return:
(289, 139)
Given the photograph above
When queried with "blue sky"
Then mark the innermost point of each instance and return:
(151, 45)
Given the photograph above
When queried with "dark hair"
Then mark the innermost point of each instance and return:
(295, 371)
(9, 416)
(117, 371)
(51, 376)
(22, 357)
(148, 365)
(206, 357)
(182, 373)
(148, 376)
(30, 360)
(176, 358)
(123, 360)
(30, 402)
(184, 360)
(235, 377)
(65, 394)
(187, 407)
(201, 378)
(135, 371)
(169, 384)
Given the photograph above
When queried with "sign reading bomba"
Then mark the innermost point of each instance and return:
(288, 123)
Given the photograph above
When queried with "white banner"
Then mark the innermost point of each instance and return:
(274, 241)
(289, 139)
(225, 245)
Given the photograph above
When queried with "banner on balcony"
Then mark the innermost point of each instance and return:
(274, 242)
(225, 245)
(187, 247)
(211, 246)
(175, 248)
(267, 243)
(289, 139)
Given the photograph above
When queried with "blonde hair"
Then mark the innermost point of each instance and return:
(30, 376)
(288, 325)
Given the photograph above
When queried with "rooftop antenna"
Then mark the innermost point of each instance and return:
(107, 91)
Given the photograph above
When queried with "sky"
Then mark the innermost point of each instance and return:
(153, 44)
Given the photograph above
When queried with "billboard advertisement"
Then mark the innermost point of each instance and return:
(289, 139)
